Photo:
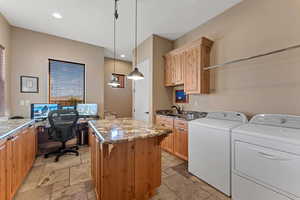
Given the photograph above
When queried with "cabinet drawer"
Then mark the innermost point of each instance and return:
(272, 167)
(164, 121)
(180, 124)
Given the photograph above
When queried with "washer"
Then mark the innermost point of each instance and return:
(209, 148)
(266, 159)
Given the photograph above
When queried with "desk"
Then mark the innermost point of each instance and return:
(45, 145)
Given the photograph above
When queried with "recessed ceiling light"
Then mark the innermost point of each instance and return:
(122, 56)
(56, 15)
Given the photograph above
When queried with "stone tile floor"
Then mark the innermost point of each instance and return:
(70, 179)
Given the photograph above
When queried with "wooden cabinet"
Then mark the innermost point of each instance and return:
(176, 142)
(168, 142)
(186, 66)
(169, 71)
(178, 60)
(181, 139)
(126, 170)
(17, 154)
(3, 171)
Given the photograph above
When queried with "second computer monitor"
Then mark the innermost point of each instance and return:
(87, 109)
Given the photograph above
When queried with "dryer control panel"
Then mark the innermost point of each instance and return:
(287, 121)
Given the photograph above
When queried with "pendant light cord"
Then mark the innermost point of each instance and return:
(136, 21)
(116, 15)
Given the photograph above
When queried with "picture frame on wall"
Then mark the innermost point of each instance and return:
(29, 84)
(121, 80)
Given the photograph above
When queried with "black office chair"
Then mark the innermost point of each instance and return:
(63, 128)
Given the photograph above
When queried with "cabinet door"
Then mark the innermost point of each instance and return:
(181, 143)
(192, 70)
(32, 146)
(92, 141)
(169, 143)
(168, 71)
(181, 138)
(98, 169)
(178, 68)
(3, 171)
(16, 161)
(26, 151)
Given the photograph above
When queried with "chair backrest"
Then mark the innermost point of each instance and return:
(63, 124)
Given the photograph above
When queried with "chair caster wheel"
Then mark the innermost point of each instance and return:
(56, 159)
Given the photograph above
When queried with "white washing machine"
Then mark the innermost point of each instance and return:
(266, 159)
(209, 148)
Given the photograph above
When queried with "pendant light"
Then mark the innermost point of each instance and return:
(135, 74)
(114, 81)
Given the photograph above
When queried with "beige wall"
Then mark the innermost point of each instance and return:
(30, 54)
(266, 85)
(153, 49)
(162, 96)
(118, 100)
(5, 41)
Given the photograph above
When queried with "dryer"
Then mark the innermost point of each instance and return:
(266, 158)
(209, 148)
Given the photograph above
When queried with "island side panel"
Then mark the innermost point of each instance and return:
(118, 171)
(147, 167)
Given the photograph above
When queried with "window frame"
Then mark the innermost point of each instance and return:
(70, 62)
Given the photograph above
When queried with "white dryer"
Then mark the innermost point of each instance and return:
(266, 159)
(209, 148)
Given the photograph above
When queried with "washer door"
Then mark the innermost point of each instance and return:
(272, 167)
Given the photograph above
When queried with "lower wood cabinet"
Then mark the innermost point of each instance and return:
(127, 170)
(175, 143)
(17, 155)
(3, 171)
(181, 139)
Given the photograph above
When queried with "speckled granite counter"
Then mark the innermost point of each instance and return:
(8, 127)
(124, 130)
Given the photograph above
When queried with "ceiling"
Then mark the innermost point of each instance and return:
(91, 21)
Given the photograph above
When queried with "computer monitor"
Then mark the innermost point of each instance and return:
(41, 111)
(87, 109)
(68, 107)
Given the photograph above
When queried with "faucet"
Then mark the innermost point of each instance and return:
(178, 109)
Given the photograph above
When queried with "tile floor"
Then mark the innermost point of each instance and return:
(70, 179)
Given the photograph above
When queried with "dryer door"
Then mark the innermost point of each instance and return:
(275, 168)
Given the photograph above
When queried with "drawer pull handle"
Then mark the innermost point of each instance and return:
(271, 157)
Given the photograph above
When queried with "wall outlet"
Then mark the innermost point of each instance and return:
(22, 103)
(27, 102)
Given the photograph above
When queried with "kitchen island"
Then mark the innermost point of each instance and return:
(125, 158)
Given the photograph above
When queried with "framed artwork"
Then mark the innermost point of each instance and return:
(121, 80)
(29, 84)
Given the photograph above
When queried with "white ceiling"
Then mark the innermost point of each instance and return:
(91, 21)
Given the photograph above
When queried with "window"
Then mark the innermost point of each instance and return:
(2, 86)
(66, 82)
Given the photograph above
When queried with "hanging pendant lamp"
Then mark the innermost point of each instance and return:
(114, 81)
(135, 74)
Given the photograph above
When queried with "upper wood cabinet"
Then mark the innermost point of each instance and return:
(169, 71)
(185, 66)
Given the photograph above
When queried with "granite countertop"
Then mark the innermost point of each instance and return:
(125, 130)
(10, 126)
(186, 115)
